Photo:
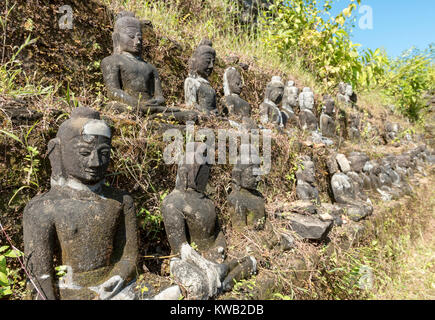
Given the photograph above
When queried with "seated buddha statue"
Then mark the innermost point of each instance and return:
(130, 81)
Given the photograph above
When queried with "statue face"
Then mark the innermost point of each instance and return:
(235, 83)
(308, 99)
(130, 38)
(349, 90)
(342, 88)
(205, 64)
(86, 158)
(308, 172)
(249, 177)
(293, 92)
(309, 167)
(276, 94)
(329, 107)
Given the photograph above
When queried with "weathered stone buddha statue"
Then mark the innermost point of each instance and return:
(246, 203)
(327, 123)
(233, 85)
(131, 82)
(345, 194)
(306, 99)
(269, 111)
(306, 179)
(290, 101)
(190, 218)
(391, 131)
(89, 224)
(291, 94)
(197, 90)
(306, 104)
(346, 94)
(354, 126)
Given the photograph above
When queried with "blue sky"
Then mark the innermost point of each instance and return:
(397, 24)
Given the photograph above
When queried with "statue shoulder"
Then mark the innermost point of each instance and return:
(175, 198)
(127, 200)
(111, 61)
(152, 67)
(41, 204)
(191, 82)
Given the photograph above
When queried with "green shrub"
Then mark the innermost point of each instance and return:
(296, 29)
(408, 78)
(10, 279)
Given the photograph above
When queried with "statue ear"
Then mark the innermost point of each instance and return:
(115, 39)
(54, 154)
(192, 65)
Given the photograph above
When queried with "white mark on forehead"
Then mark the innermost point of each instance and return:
(131, 25)
(97, 128)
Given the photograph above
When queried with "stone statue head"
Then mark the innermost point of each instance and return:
(328, 105)
(275, 90)
(202, 61)
(195, 170)
(81, 149)
(290, 94)
(127, 34)
(246, 171)
(232, 82)
(342, 88)
(345, 89)
(349, 90)
(307, 171)
(306, 98)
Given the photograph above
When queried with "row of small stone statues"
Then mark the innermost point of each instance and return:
(93, 226)
(350, 178)
(90, 228)
(134, 84)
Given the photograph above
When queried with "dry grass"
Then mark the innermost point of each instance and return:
(397, 245)
(414, 276)
(212, 19)
(137, 165)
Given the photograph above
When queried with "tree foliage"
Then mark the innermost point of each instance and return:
(408, 78)
(306, 31)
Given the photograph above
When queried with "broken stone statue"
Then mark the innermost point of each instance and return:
(132, 83)
(306, 180)
(233, 85)
(87, 226)
(391, 131)
(344, 187)
(353, 126)
(290, 101)
(327, 123)
(190, 217)
(307, 118)
(246, 203)
(345, 94)
(269, 111)
(309, 220)
(197, 90)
